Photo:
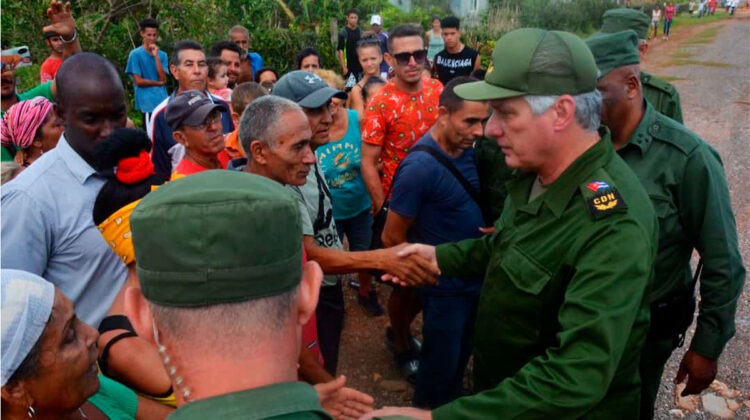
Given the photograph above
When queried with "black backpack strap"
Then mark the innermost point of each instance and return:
(473, 193)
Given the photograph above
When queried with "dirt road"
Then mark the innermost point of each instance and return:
(710, 66)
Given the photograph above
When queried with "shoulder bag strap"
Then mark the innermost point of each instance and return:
(473, 193)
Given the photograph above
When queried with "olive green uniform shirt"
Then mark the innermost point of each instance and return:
(685, 180)
(289, 400)
(564, 308)
(662, 95)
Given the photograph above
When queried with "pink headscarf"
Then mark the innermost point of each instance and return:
(21, 121)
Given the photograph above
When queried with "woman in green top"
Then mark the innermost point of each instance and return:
(434, 39)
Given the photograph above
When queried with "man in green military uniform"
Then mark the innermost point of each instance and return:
(685, 179)
(552, 339)
(224, 294)
(662, 94)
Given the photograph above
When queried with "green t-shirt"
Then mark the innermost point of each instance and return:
(115, 400)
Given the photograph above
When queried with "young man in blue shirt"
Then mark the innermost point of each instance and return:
(431, 205)
(147, 65)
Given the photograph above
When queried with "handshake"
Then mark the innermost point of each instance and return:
(410, 265)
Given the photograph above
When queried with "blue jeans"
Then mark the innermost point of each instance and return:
(448, 338)
(667, 25)
(358, 229)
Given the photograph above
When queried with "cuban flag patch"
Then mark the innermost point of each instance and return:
(597, 186)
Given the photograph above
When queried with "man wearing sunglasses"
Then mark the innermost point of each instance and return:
(396, 117)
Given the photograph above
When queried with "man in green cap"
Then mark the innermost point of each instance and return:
(686, 182)
(552, 339)
(662, 94)
(224, 294)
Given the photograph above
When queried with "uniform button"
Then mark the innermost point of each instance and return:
(655, 127)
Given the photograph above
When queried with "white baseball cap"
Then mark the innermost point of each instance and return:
(376, 20)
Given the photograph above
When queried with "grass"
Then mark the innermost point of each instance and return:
(684, 62)
(684, 20)
(670, 78)
(683, 54)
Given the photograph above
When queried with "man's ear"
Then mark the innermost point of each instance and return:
(236, 118)
(139, 313)
(179, 137)
(564, 110)
(443, 115)
(632, 85)
(389, 59)
(58, 109)
(309, 290)
(256, 152)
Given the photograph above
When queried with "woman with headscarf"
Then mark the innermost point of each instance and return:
(32, 128)
(49, 359)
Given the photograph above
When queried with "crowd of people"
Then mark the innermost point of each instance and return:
(540, 214)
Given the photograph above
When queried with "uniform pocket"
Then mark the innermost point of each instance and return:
(526, 274)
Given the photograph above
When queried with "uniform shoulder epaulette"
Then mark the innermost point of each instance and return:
(657, 83)
(602, 197)
(670, 131)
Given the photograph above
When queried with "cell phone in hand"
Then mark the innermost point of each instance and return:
(23, 53)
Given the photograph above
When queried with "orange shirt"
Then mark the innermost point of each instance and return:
(186, 167)
(395, 120)
(232, 145)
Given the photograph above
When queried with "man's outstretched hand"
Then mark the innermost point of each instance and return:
(699, 370)
(342, 402)
(61, 19)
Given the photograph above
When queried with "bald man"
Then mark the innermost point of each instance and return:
(46, 221)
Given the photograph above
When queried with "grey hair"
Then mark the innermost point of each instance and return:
(261, 119)
(588, 107)
(239, 28)
(252, 319)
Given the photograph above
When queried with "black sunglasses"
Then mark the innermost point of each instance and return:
(403, 58)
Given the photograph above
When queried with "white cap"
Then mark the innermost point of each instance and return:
(27, 301)
(376, 20)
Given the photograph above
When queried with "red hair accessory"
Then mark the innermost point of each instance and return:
(134, 169)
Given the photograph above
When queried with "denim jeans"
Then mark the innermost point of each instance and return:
(667, 25)
(448, 341)
(358, 230)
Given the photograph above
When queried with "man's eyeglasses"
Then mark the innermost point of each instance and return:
(212, 118)
(403, 58)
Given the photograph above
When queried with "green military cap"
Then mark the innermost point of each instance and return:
(614, 50)
(217, 237)
(622, 19)
(532, 61)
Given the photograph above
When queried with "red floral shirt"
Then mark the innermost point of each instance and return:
(395, 120)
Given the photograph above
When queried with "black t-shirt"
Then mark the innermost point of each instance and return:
(452, 65)
(348, 43)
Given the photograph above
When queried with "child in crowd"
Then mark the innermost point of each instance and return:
(370, 56)
(241, 98)
(218, 79)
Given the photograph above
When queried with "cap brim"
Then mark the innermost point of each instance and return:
(200, 114)
(483, 91)
(320, 97)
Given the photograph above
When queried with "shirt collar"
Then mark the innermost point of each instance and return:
(80, 169)
(560, 192)
(258, 403)
(642, 137)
